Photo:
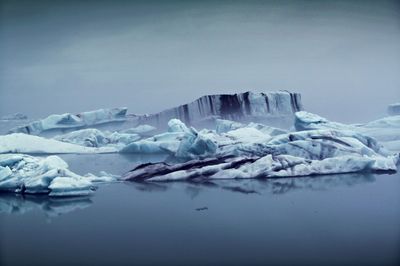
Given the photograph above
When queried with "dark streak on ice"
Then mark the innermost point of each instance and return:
(230, 105)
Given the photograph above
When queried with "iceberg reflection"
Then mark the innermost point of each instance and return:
(50, 206)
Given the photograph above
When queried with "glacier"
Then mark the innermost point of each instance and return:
(20, 173)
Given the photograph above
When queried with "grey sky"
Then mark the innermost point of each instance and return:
(69, 56)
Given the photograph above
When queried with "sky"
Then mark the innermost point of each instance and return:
(71, 56)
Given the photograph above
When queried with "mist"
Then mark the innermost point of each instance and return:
(71, 56)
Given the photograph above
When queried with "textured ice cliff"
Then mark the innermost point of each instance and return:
(248, 106)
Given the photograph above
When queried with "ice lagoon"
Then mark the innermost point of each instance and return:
(234, 190)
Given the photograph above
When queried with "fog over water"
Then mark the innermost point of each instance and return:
(71, 56)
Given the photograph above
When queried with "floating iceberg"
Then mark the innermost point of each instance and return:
(247, 152)
(68, 120)
(394, 109)
(50, 175)
(269, 166)
(167, 142)
(249, 106)
(385, 130)
(92, 137)
(23, 143)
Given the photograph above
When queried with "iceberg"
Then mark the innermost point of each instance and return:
(274, 107)
(247, 152)
(269, 166)
(50, 175)
(68, 120)
(167, 142)
(24, 143)
(385, 130)
(92, 137)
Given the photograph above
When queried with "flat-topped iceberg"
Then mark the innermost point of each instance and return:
(68, 120)
(50, 175)
(24, 143)
(278, 106)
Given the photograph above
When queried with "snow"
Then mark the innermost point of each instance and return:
(68, 120)
(50, 175)
(23, 143)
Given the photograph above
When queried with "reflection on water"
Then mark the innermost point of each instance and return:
(259, 186)
(50, 206)
(53, 207)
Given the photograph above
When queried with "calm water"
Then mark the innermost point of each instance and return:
(349, 219)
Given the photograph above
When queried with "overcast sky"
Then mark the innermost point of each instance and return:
(71, 56)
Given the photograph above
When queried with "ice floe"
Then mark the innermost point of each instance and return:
(49, 175)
